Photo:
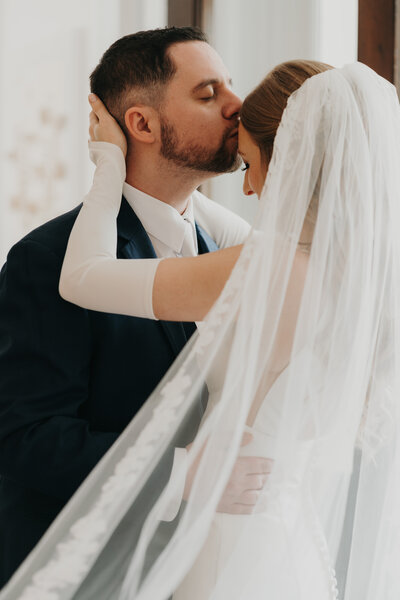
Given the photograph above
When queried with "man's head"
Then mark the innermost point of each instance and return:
(169, 88)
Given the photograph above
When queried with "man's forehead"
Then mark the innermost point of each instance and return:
(197, 62)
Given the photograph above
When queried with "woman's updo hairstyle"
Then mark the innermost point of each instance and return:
(262, 109)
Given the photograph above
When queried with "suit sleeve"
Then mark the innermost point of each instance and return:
(46, 443)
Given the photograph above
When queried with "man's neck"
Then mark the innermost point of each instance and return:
(171, 185)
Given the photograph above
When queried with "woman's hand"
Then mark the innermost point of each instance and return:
(103, 127)
(244, 492)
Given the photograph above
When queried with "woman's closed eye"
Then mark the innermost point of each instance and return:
(246, 166)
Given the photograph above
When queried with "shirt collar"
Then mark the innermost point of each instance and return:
(154, 214)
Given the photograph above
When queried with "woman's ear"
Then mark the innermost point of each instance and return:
(142, 123)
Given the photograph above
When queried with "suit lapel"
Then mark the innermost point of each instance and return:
(133, 242)
(204, 241)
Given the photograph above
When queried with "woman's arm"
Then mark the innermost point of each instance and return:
(179, 289)
(91, 275)
(186, 288)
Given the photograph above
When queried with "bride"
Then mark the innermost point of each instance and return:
(297, 344)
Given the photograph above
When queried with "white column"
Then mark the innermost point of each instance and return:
(112, 19)
(338, 31)
(140, 15)
(397, 48)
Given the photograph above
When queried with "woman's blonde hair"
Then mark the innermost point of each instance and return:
(262, 109)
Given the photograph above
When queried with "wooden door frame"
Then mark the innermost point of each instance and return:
(377, 42)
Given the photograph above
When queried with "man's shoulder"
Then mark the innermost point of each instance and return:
(202, 202)
(223, 225)
(205, 206)
(54, 234)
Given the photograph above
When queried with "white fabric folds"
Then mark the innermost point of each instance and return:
(301, 349)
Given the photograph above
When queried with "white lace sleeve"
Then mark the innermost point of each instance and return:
(92, 276)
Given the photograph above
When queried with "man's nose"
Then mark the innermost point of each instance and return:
(247, 190)
(232, 105)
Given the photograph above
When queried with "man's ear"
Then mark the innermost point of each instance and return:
(142, 123)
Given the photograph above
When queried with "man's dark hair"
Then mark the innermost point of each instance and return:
(137, 67)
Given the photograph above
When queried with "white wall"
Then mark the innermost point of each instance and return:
(253, 36)
(47, 50)
(42, 116)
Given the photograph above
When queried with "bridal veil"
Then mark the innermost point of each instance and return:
(338, 417)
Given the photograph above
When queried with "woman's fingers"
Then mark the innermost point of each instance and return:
(93, 118)
(102, 125)
(98, 107)
(93, 121)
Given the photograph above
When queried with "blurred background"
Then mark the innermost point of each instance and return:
(49, 47)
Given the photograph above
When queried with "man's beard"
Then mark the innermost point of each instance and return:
(197, 157)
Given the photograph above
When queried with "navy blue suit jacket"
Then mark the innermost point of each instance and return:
(70, 379)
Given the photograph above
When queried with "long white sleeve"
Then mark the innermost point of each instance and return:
(92, 276)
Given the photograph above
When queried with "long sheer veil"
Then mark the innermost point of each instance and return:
(333, 434)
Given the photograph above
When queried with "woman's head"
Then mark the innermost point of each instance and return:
(261, 114)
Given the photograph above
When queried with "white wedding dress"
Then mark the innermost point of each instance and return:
(288, 519)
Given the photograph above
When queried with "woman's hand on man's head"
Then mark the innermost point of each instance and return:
(103, 127)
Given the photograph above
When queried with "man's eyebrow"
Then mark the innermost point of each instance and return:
(207, 82)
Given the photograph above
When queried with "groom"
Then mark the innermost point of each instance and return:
(72, 379)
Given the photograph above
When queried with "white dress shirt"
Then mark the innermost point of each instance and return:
(164, 225)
